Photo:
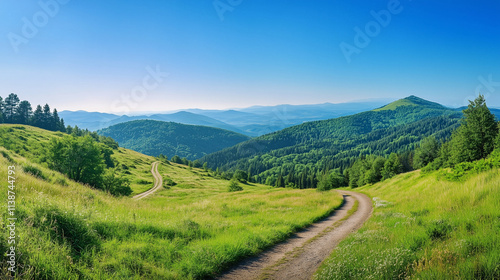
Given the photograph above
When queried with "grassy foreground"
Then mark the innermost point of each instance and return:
(425, 227)
(192, 230)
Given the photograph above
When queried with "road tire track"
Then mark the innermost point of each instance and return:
(157, 184)
(301, 255)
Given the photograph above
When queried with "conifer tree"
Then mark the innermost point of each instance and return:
(24, 112)
(1, 110)
(475, 138)
(10, 107)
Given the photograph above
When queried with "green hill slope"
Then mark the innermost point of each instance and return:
(320, 145)
(156, 137)
(411, 100)
(33, 143)
(191, 230)
(425, 227)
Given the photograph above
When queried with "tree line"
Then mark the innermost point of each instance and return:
(14, 111)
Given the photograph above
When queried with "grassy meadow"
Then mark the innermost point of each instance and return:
(425, 227)
(191, 230)
(32, 143)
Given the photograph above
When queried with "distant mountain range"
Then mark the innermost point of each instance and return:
(252, 121)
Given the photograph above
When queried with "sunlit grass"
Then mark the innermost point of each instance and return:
(193, 230)
(425, 228)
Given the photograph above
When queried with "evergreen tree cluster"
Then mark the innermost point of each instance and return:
(14, 111)
(475, 139)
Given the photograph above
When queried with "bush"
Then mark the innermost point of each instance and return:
(35, 171)
(234, 186)
(115, 185)
(6, 156)
(169, 182)
(61, 181)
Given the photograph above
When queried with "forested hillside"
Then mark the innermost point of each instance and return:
(300, 154)
(168, 138)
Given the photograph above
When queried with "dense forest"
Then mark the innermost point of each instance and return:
(186, 141)
(470, 148)
(14, 111)
(304, 155)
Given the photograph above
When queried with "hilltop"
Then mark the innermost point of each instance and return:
(411, 100)
(170, 139)
(310, 148)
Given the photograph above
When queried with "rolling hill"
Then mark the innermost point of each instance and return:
(168, 138)
(335, 143)
(192, 228)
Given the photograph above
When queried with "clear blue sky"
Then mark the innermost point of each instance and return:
(95, 55)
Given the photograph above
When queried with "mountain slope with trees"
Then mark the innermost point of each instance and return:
(168, 138)
(302, 154)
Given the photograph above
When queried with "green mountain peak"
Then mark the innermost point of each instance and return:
(411, 100)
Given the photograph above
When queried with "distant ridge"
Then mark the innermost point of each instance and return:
(252, 121)
(153, 138)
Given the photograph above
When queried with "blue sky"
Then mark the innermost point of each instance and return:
(149, 55)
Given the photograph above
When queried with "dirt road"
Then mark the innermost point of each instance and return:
(157, 184)
(300, 256)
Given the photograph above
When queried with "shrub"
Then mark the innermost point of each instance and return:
(234, 186)
(169, 182)
(35, 171)
(6, 156)
(61, 181)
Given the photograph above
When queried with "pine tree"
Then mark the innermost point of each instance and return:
(475, 138)
(1, 110)
(37, 119)
(24, 112)
(10, 107)
(56, 122)
(280, 183)
(47, 118)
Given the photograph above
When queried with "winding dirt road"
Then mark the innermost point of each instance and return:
(300, 256)
(157, 185)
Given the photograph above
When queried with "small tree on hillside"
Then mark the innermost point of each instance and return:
(115, 185)
(241, 176)
(79, 158)
(475, 138)
(234, 186)
(392, 166)
(426, 152)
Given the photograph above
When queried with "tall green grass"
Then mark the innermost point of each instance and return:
(32, 143)
(194, 230)
(425, 227)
